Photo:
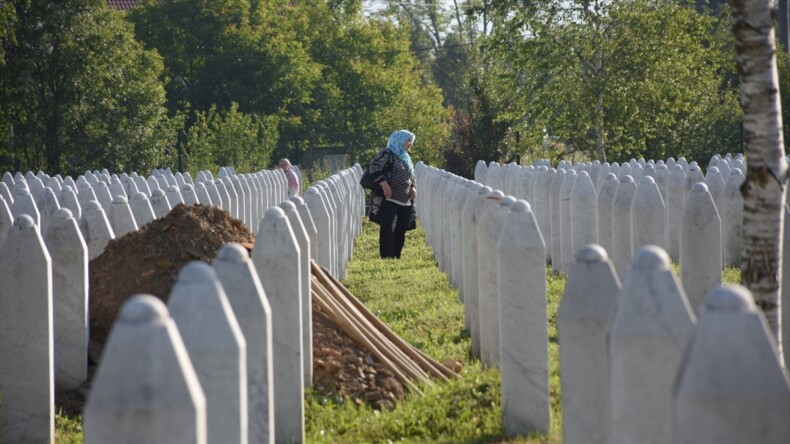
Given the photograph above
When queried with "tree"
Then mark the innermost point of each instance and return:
(620, 79)
(766, 172)
(79, 92)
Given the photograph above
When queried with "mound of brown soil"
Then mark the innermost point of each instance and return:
(149, 260)
(344, 370)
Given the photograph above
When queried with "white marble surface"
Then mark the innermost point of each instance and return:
(471, 221)
(621, 224)
(321, 217)
(591, 292)
(606, 193)
(566, 221)
(700, 246)
(304, 275)
(24, 203)
(648, 333)
(494, 229)
(246, 296)
(584, 213)
(276, 257)
(490, 202)
(132, 401)
(27, 411)
(96, 229)
(69, 255)
(554, 213)
(648, 216)
(731, 388)
(142, 210)
(121, 217)
(216, 347)
(732, 220)
(523, 329)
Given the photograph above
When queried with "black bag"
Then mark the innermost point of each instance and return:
(412, 225)
(368, 184)
(375, 205)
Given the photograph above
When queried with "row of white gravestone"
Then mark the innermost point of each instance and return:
(463, 231)
(27, 338)
(697, 217)
(636, 366)
(130, 202)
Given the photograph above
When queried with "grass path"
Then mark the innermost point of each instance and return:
(416, 300)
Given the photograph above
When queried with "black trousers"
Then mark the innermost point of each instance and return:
(392, 232)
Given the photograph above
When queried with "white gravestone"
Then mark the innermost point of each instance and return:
(188, 194)
(731, 387)
(96, 229)
(621, 224)
(584, 213)
(554, 213)
(244, 291)
(160, 204)
(700, 245)
(480, 173)
(27, 410)
(716, 186)
(592, 291)
(483, 265)
(606, 193)
(732, 220)
(25, 204)
(121, 217)
(103, 195)
(676, 198)
(142, 210)
(133, 401)
(495, 226)
(69, 255)
(648, 333)
(216, 348)
(566, 223)
(276, 257)
(304, 275)
(174, 196)
(471, 215)
(648, 216)
(320, 214)
(309, 224)
(47, 205)
(524, 330)
(6, 220)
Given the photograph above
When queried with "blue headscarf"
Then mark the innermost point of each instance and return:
(396, 143)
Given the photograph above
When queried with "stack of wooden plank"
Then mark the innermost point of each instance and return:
(407, 363)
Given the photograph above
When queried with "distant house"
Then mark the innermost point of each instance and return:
(123, 5)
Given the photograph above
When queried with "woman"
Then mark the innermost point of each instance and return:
(290, 174)
(392, 168)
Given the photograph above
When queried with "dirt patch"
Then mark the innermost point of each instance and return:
(344, 370)
(149, 260)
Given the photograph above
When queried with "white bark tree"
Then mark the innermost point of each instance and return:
(766, 175)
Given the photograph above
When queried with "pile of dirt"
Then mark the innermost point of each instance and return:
(149, 260)
(343, 370)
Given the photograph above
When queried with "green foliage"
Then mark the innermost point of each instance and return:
(229, 138)
(79, 92)
(330, 77)
(623, 79)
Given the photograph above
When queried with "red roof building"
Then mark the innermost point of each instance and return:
(123, 5)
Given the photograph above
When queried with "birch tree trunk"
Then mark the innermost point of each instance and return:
(763, 191)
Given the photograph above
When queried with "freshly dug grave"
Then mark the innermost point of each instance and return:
(148, 261)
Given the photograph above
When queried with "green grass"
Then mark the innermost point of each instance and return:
(416, 300)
